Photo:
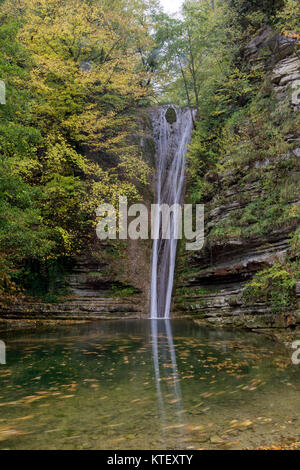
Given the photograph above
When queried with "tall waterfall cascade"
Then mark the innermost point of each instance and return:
(172, 126)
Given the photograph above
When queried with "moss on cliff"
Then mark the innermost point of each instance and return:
(171, 116)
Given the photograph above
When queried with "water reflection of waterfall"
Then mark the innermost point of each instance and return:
(171, 146)
(166, 376)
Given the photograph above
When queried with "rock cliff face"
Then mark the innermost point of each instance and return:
(102, 285)
(213, 280)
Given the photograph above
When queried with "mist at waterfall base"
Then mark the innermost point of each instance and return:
(172, 140)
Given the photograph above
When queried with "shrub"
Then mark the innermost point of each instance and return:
(275, 286)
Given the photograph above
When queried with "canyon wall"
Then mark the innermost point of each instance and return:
(210, 283)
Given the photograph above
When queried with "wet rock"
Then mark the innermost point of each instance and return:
(263, 35)
(296, 152)
(288, 70)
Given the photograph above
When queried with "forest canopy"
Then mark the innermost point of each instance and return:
(75, 73)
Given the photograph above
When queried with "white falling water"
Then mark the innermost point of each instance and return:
(171, 147)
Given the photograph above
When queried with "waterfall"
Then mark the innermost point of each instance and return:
(171, 140)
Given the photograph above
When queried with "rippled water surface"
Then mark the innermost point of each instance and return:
(146, 385)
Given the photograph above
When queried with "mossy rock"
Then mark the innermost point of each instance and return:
(171, 116)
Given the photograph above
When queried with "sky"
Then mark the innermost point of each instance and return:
(171, 6)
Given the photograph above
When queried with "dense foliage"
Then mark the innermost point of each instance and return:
(75, 74)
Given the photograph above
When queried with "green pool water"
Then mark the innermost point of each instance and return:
(147, 385)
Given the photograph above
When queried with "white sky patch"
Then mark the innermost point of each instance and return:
(172, 6)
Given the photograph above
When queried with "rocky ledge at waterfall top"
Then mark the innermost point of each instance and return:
(210, 286)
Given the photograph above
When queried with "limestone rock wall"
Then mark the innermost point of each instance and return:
(212, 285)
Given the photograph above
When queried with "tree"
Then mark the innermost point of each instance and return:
(192, 48)
(76, 72)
